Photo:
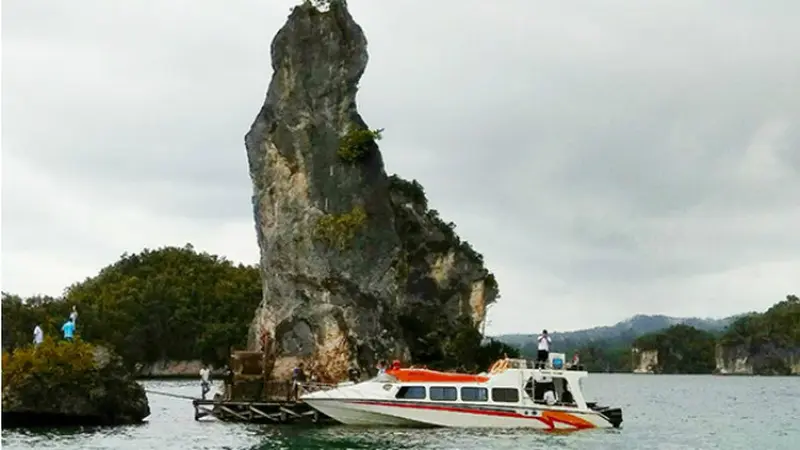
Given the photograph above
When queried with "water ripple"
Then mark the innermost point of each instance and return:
(661, 413)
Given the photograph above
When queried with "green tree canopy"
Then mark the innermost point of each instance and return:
(167, 304)
(681, 349)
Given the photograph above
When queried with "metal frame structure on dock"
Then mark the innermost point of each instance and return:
(258, 412)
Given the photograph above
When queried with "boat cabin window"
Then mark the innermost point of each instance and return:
(564, 394)
(443, 393)
(411, 392)
(505, 395)
(474, 394)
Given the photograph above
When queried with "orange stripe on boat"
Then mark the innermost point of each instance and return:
(433, 376)
(550, 417)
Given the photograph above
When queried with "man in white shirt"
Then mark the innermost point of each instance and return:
(38, 335)
(205, 382)
(74, 315)
(550, 397)
(544, 350)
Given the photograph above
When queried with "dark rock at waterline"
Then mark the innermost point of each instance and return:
(107, 394)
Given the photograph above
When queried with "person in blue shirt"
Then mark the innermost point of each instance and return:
(69, 329)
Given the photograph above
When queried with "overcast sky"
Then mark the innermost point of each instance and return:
(608, 158)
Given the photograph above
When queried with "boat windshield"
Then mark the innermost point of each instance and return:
(383, 378)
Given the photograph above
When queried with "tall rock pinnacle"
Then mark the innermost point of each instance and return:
(346, 252)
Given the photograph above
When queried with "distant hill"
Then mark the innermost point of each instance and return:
(622, 333)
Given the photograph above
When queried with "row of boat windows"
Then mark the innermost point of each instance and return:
(450, 394)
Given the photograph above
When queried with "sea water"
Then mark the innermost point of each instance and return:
(668, 412)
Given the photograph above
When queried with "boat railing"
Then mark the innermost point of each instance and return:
(313, 386)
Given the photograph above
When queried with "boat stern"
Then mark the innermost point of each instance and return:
(612, 415)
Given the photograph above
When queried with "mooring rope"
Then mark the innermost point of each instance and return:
(169, 394)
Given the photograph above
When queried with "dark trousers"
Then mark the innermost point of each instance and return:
(541, 358)
(205, 388)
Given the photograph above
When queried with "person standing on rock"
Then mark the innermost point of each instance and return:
(205, 381)
(69, 329)
(73, 316)
(38, 335)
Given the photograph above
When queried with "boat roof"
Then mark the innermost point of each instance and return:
(424, 375)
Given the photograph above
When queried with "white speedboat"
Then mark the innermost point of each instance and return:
(513, 394)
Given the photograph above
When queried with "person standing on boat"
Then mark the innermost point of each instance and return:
(353, 373)
(576, 361)
(205, 381)
(544, 350)
(550, 397)
(381, 367)
(38, 335)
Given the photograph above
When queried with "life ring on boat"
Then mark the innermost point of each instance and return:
(499, 366)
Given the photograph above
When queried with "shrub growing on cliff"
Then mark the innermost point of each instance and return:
(354, 146)
(338, 230)
(50, 363)
(491, 282)
(412, 190)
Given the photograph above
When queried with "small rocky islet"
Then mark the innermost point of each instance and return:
(64, 383)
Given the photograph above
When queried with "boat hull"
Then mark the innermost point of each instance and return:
(426, 414)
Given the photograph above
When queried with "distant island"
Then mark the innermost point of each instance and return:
(765, 343)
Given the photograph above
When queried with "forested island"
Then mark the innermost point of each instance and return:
(178, 304)
(765, 343)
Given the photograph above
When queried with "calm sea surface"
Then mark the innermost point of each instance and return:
(660, 412)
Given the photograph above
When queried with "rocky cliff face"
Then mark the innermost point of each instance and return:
(644, 361)
(766, 360)
(354, 265)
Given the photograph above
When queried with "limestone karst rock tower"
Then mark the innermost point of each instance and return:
(349, 256)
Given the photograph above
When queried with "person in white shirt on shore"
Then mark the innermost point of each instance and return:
(38, 335)
(205, 382)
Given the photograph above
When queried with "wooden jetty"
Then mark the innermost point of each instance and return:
(278, 412)
(250, 396)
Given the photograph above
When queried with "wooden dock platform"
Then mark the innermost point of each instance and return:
(274, 412)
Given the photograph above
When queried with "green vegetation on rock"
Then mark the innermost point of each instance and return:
(411, 190)
(69, 383)
(437, 336)
(681, 349)
(448, 344)
(769, 338)
(172, 304)
(417, 244)
(355, 145)
(339, 230)
(51, 363)
(778, 326)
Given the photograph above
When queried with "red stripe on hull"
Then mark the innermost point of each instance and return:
(548, 418)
